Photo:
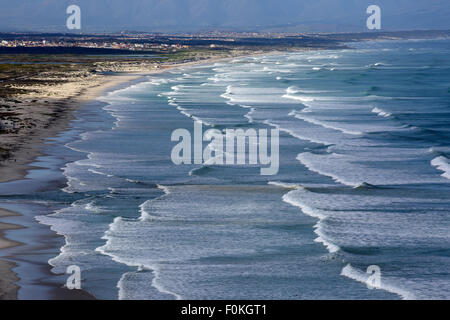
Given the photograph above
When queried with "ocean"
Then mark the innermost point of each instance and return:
(363, 181)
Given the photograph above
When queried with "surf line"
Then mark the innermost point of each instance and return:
(229, 148)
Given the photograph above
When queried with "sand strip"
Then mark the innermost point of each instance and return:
(8, 288)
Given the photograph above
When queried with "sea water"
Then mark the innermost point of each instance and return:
(363, 180)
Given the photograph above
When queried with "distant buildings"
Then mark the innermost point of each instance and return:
(94, 43)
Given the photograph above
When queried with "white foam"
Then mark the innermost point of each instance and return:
(93, 208)
(377, 64)
(324, 124)
(125, 294)
(443, 164)
(249, 115)
(154, 267)
(158, 81)
(292, 90)
(309, 160)
(298, 98)
(143, 208)
(285, 184)
(294, 199)
(355, 274)
(100, 173)
(323, 239)
(296, 135)
(381, 112)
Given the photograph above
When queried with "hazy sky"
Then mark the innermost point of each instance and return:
(194, 15)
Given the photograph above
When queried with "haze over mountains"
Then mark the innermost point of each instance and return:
(228, 15)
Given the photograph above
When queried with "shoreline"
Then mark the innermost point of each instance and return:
(8, 278)
(18, 166)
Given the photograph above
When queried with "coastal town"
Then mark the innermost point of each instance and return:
(89, 43)
(132, 42)
(16, 42)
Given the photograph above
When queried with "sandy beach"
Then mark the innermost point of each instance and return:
(8, 289)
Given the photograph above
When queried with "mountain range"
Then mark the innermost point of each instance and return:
(228, 15)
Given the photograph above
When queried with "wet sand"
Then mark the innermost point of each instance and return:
(8, 288)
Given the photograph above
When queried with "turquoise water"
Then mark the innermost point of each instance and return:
(363, 180)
